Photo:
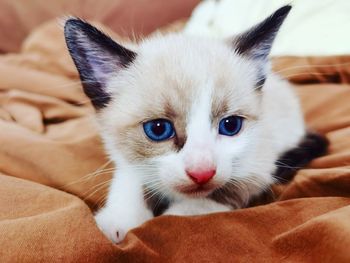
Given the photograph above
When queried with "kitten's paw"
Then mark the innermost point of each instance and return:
(111, 229)
(115, 226)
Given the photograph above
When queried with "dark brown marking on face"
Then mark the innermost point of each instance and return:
(178, 116)
(180, 141)
(220, 108)
(169, 111)
(181, 135)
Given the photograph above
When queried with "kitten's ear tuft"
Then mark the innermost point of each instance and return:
(256, 42)
(97, 58)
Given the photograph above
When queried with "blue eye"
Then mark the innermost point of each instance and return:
(231, 125)
(159, 129)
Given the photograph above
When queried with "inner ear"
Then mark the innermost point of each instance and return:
(97, 57)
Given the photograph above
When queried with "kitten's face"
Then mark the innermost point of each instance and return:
(185, 113)
(194, 91)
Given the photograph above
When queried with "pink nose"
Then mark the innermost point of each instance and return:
(201, 177)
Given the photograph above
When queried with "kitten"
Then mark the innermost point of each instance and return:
(194, 125)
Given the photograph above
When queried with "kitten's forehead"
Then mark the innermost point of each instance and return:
(191, 57)
(170, 74)
(179, 69)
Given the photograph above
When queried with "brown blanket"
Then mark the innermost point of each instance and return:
(53, 171)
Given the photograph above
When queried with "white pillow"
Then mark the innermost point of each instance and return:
(313, 27)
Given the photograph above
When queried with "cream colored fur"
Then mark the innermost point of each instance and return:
(194, 77)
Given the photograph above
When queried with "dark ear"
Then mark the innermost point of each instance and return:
(97, 58)
(256, 43)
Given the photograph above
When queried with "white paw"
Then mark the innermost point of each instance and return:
(116, 225)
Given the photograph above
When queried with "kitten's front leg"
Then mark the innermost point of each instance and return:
(125, 207)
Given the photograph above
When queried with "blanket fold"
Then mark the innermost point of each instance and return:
(54, 173)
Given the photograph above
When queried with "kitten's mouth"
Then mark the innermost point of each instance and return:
(196, 190)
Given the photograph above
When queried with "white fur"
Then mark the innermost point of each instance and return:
(125, 205)
(274, 124)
